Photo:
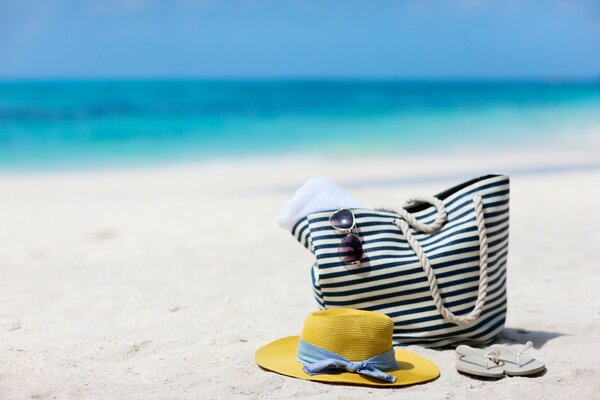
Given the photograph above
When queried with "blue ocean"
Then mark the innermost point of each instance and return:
(48, 125)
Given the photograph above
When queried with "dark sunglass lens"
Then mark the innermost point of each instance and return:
(351, 250)
(342, 220)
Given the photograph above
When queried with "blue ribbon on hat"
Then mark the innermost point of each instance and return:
(318, 361)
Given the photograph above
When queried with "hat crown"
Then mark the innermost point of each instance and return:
(353, 334)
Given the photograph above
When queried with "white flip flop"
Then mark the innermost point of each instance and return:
(479, 362)
(515, 362)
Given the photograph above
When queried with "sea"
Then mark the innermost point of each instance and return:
(82, 124)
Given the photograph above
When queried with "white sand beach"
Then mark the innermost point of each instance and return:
(161, 283)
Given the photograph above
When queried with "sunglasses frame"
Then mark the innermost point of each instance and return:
(348, 232)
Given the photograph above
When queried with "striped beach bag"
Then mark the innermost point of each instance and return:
(436, 266)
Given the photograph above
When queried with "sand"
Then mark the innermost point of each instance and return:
(162, 282)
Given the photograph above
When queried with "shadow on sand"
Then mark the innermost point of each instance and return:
(521, 336)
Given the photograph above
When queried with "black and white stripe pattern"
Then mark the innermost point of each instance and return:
(392, 281)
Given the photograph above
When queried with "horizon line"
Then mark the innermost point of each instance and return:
(300, 78)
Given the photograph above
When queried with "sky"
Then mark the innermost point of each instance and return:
(451, 39)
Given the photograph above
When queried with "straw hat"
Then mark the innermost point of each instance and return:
(346, 346)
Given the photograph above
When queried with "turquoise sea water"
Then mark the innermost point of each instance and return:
(73, 124)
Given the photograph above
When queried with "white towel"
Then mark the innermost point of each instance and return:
(317, 194)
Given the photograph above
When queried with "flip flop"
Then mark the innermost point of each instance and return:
(516, 363)
(479, 362)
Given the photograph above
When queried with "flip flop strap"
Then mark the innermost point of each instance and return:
(518, 354)
(490, 355)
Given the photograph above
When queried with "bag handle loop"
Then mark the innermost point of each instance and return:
(409, 220)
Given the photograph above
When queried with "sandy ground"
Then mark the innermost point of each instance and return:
(161, 283)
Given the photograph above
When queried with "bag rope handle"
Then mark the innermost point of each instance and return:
(408, 220)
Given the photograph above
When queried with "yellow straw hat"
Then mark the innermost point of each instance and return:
(346, 346)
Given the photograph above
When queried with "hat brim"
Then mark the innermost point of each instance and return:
(280, 356)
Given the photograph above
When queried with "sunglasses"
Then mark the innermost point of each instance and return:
(350, 250)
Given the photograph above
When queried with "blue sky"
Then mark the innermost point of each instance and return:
(369, 39)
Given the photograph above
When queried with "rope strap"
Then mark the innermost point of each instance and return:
(408, 220)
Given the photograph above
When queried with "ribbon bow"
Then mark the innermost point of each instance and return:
(320, 361)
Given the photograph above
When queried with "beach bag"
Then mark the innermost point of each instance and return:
(437, 266)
